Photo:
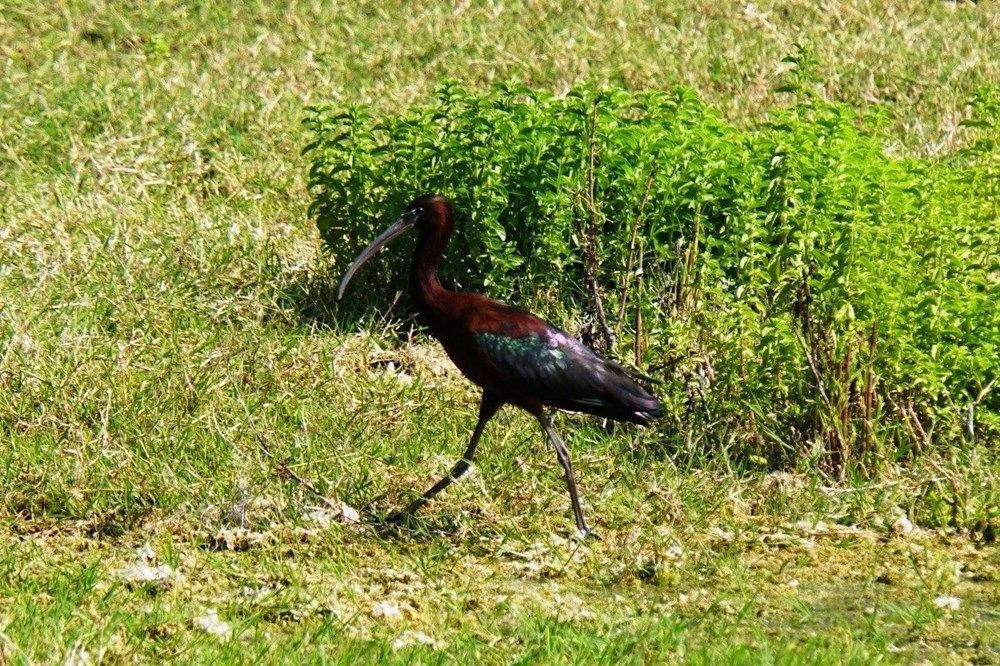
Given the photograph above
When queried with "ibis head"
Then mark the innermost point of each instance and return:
(426, 214)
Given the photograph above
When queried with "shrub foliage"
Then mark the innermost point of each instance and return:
(797, 289)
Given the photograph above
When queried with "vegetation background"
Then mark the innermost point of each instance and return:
(187, 420)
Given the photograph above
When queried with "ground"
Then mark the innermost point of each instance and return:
(184, 417)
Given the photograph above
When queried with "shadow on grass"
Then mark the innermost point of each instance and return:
(366, 306)
(413, 528)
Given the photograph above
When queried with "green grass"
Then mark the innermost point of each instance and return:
(165, 319)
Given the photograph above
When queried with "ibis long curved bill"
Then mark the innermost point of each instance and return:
(397, 229)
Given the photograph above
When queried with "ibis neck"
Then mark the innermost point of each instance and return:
(427, 291)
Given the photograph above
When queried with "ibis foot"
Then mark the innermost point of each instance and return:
(487, 408)
(401, 517)
(396, 518)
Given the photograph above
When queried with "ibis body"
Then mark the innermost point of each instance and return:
(514, 356)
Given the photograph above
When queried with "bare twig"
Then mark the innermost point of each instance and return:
(590, 263)
(845, 406)
(631, 250)
(835, 432)
(986, 390)
(638, 312)
(815, 370)
(869, 397)
(286, 471)
(917, 425)
(841, 490)
(686, 297)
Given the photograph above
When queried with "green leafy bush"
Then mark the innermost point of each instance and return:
(796, 288)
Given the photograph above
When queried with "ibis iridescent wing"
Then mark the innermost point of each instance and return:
(570, 376)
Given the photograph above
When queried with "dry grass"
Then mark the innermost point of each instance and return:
(164, 313)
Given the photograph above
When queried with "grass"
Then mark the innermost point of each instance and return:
(165, 322)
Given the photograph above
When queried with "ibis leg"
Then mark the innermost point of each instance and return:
(563, 454)
(487, 408)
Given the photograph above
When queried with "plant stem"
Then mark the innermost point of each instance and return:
(591, 262)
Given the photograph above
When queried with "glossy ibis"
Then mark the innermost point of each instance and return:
(515, 357)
